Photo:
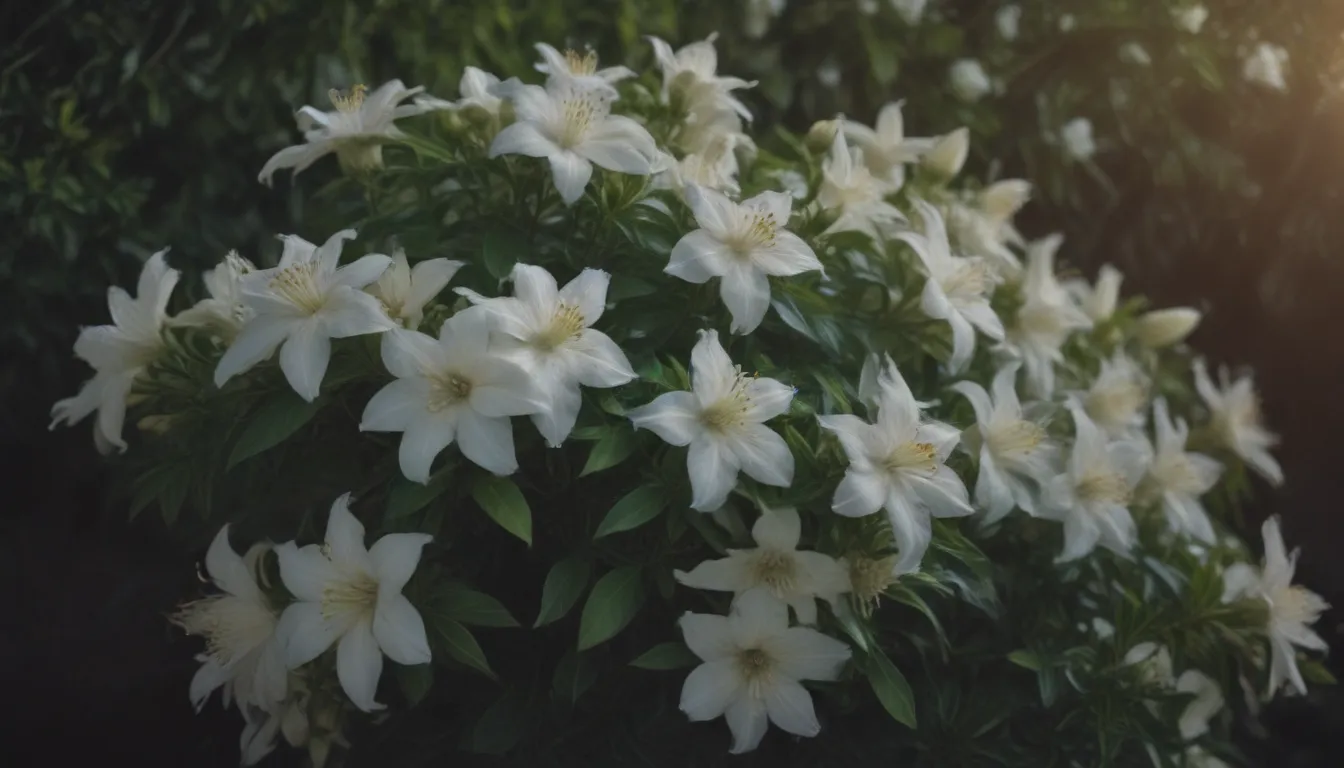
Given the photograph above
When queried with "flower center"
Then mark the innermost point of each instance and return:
(448, 390)
(758, 229)
(298, 285)
(231, 626)
(357, 595)
(1014, 438)
(1113, 404)
(1039, 321)
(870, 578)
(1103, 487)
(578, 111)
(566, 325)
(1295, 605)
(581, 64)
(348, 103)
(776, 570)
(756, 668)
(970, 281)
(1176, 473)
(731, 409)
(915, 457)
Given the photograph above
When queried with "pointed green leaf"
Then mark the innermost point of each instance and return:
(408, 497)
(633, 510)
(574, 675)
(458, 641)
(473, 608)
(505, 504)
(563, 588)
(614, 447)
(673, 655)
(502, 726)
(278, 417)
(891, 688)
(615, 600)
(500, 251)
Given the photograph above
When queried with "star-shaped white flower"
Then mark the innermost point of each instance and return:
(1178, 479)
(242, 653)
(572, 127)
(550, 331)
(351, 596)
(1091, 497)
(1236, 421)
(355, 130)
(957, 290)
(1100, 300)
(752, 664)
(119, 353)
(224, 311)
(946, 154)
(303, 304)
(795, 576)
(898, 463)
(849, 188)
(1046, 319)
(722, 421)
(1292, 609)
(690, 74)
(742, 244)
(456, 388)
(1016, 456)
(580, 68)
(886, 149)
(1117, 397)
(405, 290)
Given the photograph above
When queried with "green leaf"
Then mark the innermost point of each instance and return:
(574, 675)
(466, 605)
(891, 688)
(461, 645)
(615, 600)
(633, 510)
(502, 726)
(505, 504)
(278, 417)
(500, 251)
(614, 447)
(1027, 660)
(563, 588)
(415, 681)
(408, 497)
(1316, 672)
(673, 655)
(623, 287)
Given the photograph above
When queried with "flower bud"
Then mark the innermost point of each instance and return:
(969, 81)
(1164, 327)
(949, 153)
(822, 134)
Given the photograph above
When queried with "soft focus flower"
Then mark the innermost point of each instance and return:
(1117, 397)
(477, 94)
(1178, 478)
(1133, 53)
(849, 188)
(1015, 454)
(304, 303)
(1045, 320)
(456, 388)
(355, 130)
(1235, 411)
(886, 150)
(351, 596)
(957, 289)
(405, 290)
(795, 576)
(983, 224)
(1207, 703)
(578, 68)
(722, 421)
(1077, 137)
(1292, 609)
(742, 244)
(690, 74)
(1265, 66)
(1098, 301)
(1153, 664)
(1007, 20)
(759, 14)
(715, 167)
(1091, 498)
(573, 128)
(752, 664)
(1164, 327)
(119, 353)
(550, 330)
(224, 311)
(898, 463)
(1067, 22)
(1191, 18)
(969, 81)
(910, 11)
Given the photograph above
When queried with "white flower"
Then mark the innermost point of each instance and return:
(897, 463)
(1292, 609)
(1117, 397)
(715, 167)
(1091, 498)
(1133, 53)
(355, 130)
(241, 650)
(572, 127)
(948, 153)
(1100, 301)
(1016, 456)
(722, 420)
(957, 289)
(1077, 137)
(969, 81)
(910, 11)
(1067, 22)
(752, 664)
(1007, 21)
(405, 290)
(1191, 18)
(551, 331)
(1235, 411)
(304, 303)
(758, 15)
(849, 188)
(1045, 320)
(1178, 478)
(983, 226)
(351, 596)
(224, 312)
(578, 68)
(794, 576)
(1164, 327)
(1265, 66)
(742, 244)
(456, 388)
(119, 353)
(1207, 703)
(1154, 664)
(886, 150)
(477, 92)
(1103, 628)
(691, 75)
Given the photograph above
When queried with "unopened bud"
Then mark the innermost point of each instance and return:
(1164, 327)
(821, 135)
(949, 153)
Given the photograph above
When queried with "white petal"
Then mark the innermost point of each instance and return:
(1080, 538)
(396, 406)
(255, 342)
(209, 677)
(428, 279)
(790, 708)
(1239, 580)
(859, 493)
(345, 538)
(227, 570)
(304, 570)
(536, 288)
(778, 529)
(423, 441)
(746, 292)
(943, 494)
(505, 389)
(806, 654)
(112, 407)
(400, 631)
(410, 353)
(619, 144)
(762, 454)
(571, 174)
(304, 358)
(523, 138)
(767, 398)
(729, 574)
(712, 210)
(673, 416)
(979, 399)
(788, 256)
(707, 635)
(297, 157)
(362, 271)
(713, 473)
(991, 489)
(756, 617)
(349, 312)
(394, 558)
(359, 664)
(709, 689)
(487, 441)
(587, 292)
(305, 633)
(712, 371)
(598, 362)
(697, 257)
(911, 528)
(855, 435)
(748, 721)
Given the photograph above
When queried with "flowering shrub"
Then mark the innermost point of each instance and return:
(816, 439)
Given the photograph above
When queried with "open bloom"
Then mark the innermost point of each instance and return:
(957, 289)
(351, 596)
(714, 167)
(969, 81)
(1098, 301)
(303, 304)
(579, 67)
(119, 353)
(1178, 479)
(551, 331)
(1265, 66)
(1046, 319)
(722, 421)
(1235, 410)
(795, 576)
(742, 244)
(455, 388)
(1292, 609)
(1207, 703)
(897, 463)
(982, 224)
(224, 311)
(477, 93)
(405, 290)
(752, 664)
(1016, 456)
(886, 150)
(572, 127)
(1091, 498)
(238, 624)
(355, 130)
(1118, 396)
(690, 74)
(849, 188)
(1077, 138)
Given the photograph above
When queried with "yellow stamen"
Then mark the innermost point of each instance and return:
(348, 102)
(581, 64)
(357, 595)
(776, 570)
(757, 670)
(969, 281)
(1014, 438)
(869, 578)
(579, 110)
(448, 390)
(298, 284)
(1103, 487)
(567, 324)
(917, 457)
(731, 409)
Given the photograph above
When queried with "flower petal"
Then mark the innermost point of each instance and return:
(697, 257)
(673, 416)
(767, 398)
(748, 721)
(227, 569)
(396, 406)
(423, 441)
(523, 138)
(255, 342)
(428, 279)
(790, 708)
(789, 255)
(362, 271)
(409, 354)
(305, 633)
(571, 174)
(860, 493)
(209, 677)
(349, 312)
(394, 559)
(746, 292)
(359, 664)
(400, 631)
(728, 574)
(587, 292)
(598, 362)
(762, 454)
(557, 420)
(707, 635)
(778, 529)
(345, 537)
(911, 528)
(709, 689)
(713, 473)
(304, 358)
(979, 399)
(304, 571)
(619, 144)
(487, 441)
